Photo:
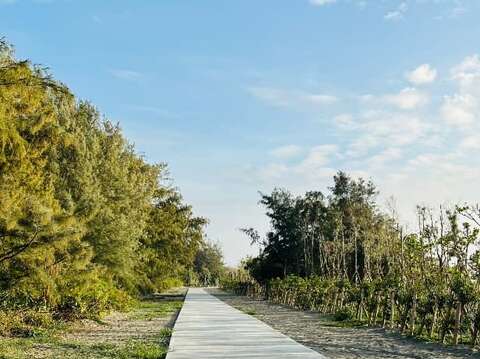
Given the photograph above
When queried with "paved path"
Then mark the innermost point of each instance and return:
(209, 328)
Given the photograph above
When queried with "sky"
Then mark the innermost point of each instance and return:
(243, 96)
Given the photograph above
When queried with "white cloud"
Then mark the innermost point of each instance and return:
(381, 129)
(322, 2)
(124, 74)
(362, 4)
(398, 13)
(424, 74)
(366, 98)
(273, 172)
(291, 98)
(344, 121)
(459, 110)
(318, 99)
(407, 99)
(470, 143)
(467, 73)
(286, 152)
(385, 157)
(307, 170)
(458, 11)
(395, 129)
(317, 158)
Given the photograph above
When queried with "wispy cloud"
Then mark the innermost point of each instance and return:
(458, 11)
(291, 98)
(322, 2)
(161, 112)
(286, 152)
(398, 13)
(408, 98)
(459, 110)
(344, 121)
(383, 129)
(470, 143)
(313, 166)
(467, 72)
(125, 74)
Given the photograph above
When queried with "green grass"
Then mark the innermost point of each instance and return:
(143, 351)
(14, 348)
(129, 350)
(148, 310)
(21, 348)
(248, 310)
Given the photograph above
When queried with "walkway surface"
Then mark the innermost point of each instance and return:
(209, 328)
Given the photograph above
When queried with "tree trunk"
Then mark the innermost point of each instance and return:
(458, 318)
(413, 315)
(474, 336)
(405, 317)
(434, 320)
(392, 310)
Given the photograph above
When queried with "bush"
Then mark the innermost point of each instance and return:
(168, 283)
(24, 323)
(342, 315)
(93, 301)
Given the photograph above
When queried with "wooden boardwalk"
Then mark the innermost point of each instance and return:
(209, 328)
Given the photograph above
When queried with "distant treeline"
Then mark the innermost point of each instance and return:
(85, 222)
(341, 254)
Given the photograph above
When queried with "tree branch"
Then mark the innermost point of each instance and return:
(16, 251)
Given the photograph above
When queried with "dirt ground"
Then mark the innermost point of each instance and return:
(314, 331)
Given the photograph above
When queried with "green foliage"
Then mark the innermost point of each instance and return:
(342, 315)
(209, 264)
(85, 222)
(25, 323)
(172, 238)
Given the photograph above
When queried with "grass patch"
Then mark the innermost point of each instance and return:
(142, 350)
(164, 335)
(151, 309)
(248, 310)
(131, 349)
(14, 348)
(25, 348)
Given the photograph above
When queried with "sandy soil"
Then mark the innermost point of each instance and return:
(312, 330)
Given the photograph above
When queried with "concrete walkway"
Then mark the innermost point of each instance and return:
(208, 328)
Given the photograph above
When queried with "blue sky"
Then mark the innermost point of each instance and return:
(242, 96)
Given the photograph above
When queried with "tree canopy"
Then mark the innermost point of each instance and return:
(85, 222)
